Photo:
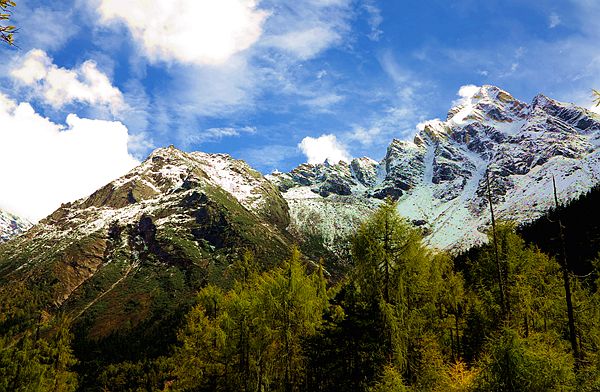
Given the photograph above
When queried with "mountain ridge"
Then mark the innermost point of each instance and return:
(438, 178)
(12, 225)
(126, 262)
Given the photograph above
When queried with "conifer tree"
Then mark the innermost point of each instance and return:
(407, 281)
(250, 338)
(6, 31)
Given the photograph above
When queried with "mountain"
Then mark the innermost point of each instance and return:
(439, 178)
(129, 259)
(11, 225)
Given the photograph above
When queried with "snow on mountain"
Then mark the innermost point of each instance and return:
(11, 225)
(439, 177)
(175, 208)
(160, 182)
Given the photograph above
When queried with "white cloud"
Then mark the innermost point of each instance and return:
(393, 69)
(60, 86)
(466, 93)
(35, 29)
(403, 107)
(305, 29)
(46, 164)
(323, 102)
(306, 43)
(325, 147)
(215, 91)
(375, 19)
(421, 126)
(366, 136)
(189, 31)
(214, 134)
(465, 102)
(553, 20)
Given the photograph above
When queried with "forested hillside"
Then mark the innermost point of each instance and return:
(581, 224)
(403, 319)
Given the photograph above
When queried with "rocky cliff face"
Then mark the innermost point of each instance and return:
(438, 178)
(179, 220)
(11, 225)
(140, 247)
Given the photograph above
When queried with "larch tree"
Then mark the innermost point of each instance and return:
(411, 285)
(250, 338)
(6, 30)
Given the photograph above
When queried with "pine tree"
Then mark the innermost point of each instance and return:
(250, 338)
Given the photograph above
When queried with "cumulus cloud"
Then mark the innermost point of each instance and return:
(188, 31)
(423, 124)
(60, 86)
(46, 164)
(465, 94)
(325, 147)
(468, 91)
(465, 102)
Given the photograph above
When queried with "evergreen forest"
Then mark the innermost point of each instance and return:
(512, 315)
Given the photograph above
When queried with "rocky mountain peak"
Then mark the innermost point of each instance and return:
(12, 225)
(438, 178)
(488, 103)
(171, 225)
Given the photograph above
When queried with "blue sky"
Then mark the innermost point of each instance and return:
(256, 78)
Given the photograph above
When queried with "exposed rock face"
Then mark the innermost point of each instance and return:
(177, 221)
(11, 225)
(438, 178)
(168, 227)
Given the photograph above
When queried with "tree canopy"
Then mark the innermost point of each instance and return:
(6, 30)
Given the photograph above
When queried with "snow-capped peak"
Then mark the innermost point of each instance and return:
(438, 178)
(485, 104)
(12, 225)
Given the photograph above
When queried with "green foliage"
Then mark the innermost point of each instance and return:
(541, 362)
(6, 31)
(250, 338)
(596, 94)
(533, 290)
(403, 318)
(32, 363)
(382, 250)
(348, 352)
(416, 290)
(390, 381)
(148, 375)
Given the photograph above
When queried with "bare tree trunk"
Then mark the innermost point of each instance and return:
(495, 238)
(566, 281)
